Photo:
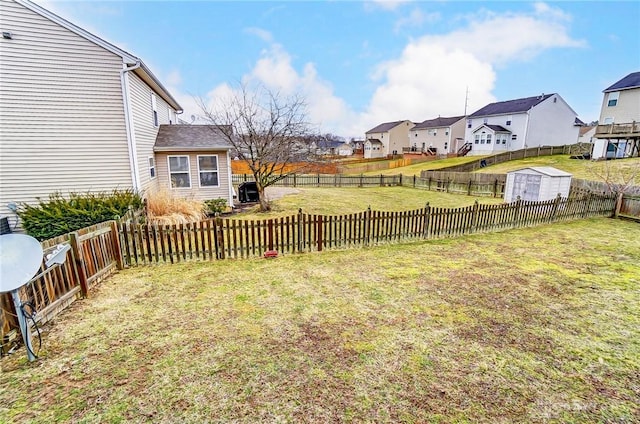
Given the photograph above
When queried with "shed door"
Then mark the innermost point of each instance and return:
(527, 186)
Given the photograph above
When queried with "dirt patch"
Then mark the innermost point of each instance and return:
(275, 193)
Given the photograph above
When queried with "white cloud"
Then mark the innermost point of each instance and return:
(264, 35)
(415, 18)
(385, 4)
(430, 77)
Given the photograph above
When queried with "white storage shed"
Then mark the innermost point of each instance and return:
(537, 184)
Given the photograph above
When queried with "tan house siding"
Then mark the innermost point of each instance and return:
(143, 126)
(61, 107)
(627, 109)
(195, 191)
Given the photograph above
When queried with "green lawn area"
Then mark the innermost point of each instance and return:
(532, 325)
(424, 166)
(338, 201)
(585, 169)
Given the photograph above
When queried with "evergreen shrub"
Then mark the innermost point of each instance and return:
(60, 215)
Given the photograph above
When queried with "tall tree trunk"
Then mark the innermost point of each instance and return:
(264, 202)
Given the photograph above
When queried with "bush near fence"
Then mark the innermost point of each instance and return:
(100, 250)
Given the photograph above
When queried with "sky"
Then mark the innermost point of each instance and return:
(361, 63)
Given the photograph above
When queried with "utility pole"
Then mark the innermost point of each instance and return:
(466, 100)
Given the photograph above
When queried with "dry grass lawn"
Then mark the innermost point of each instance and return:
(534, 325)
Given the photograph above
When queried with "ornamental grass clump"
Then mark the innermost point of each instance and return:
(166, 209)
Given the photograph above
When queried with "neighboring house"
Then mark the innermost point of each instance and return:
(440, 135)
(586, 134)
(194, 161)
(545, 120)
(77, 113)
(618, 132)
(394, 136)
(373, 148)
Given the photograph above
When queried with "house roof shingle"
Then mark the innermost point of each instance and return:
(497, 128)
(439, 122)
(384, 127)
(172, 138)
(630, 81)
(510, 106)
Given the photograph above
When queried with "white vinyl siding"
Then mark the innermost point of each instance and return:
(61, 107)
(144, 130)
(627, 107)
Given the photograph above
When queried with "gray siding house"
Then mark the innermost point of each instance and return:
(77, 113)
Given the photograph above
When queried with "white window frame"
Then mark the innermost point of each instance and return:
(613, 97)
(154, 111)
(200, 171)
(152, 167)
(180, 172)
(607, 121)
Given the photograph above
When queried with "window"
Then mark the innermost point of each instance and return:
(154, 108)
(514, 137)
(152, 167)
(446, 132)
(504, 138)
(469, 123)
(179, 172)
(488, 138)
(446, 145)
(509, 119)
(477, 140)
(483, 138)
(208, 171)
(613, 98)
(498, 138)
(608, 121)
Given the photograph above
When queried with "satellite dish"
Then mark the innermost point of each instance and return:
(20, 259)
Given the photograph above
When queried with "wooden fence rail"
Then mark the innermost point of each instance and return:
(237, 238)
(94, 255)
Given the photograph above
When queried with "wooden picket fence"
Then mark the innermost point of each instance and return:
(238, 238)
(94, 255)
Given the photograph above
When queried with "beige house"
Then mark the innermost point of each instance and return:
(618, 132)
(439, 136)
(77, 113)
(389, 138)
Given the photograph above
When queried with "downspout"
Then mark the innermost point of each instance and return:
(230, 179)
(128, 121)
(526, 130)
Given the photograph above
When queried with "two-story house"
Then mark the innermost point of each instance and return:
(544, 120)
(386, 139)
(618, 132)
(80, 114)
(439, 136)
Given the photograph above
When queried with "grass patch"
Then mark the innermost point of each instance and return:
(534, 325)
(585, 169)
(338, 201)
(416, 168)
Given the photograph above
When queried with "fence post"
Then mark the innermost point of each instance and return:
(414, 181)
(426, 231)
(516, 216)
(619, 201)
(361, 177)
(300, 228)
(319, 233)
(79, 263)
(429, 183)
(400, 180)
(469, 187)
(270, 240)
(474, 217)
(115, 239)
(495, 188)
(381, 180)
(294, 180)
(219, 238)
(556, 205)
(367, 226)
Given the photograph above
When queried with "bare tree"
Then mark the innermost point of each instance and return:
(618, 176)
(268, 131)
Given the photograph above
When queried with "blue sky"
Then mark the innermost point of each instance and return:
(359, 64)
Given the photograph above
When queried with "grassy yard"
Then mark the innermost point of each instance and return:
(415, 169)
(585, 169)
(337, 201)
(534, 325)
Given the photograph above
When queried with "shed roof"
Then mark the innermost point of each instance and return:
(439, 122)
(173, 138)
(545, 170)
(630, 81)
(384, 127)
(510, 106)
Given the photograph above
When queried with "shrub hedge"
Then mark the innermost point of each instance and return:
(60, 215)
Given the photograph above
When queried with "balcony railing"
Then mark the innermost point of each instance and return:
(619, 130)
